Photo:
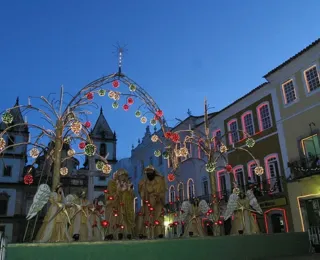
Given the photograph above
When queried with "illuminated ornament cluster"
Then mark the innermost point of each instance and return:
(223, 149)
(99, 165)
(28, 179)
(210, 167)
(106, 169)
(171, 177)
(7, 118)
(90, 149)
(143, 120)
(34, 153)
(76, 127)
(90, 96)
(154, 138)
(259, 170)
(250, 142)
(157, 153)
(114, 95)
(2, 144)
(82, 145)
(71, 152)
(64, 171)
(102, 92)
(174, 137)
(132, 88)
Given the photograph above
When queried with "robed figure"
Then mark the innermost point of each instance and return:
(241, 206)
(120, 205)
(152, 189)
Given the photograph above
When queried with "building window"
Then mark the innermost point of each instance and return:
(312, 79)
(171, 194)
(217, 139)
(252, 177)
(3, 204)
(311, 147)
(247, 123)
(273, 172)
(7, 171)
(205, 186)
(264, 116)
(103, 150)
(233, 129)
(191, 192)
(289, 92)
(239, 177)
(180, 191)
(222, 183)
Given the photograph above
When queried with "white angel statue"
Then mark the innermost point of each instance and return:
(241, 205)
(54, 226)
(191, 216)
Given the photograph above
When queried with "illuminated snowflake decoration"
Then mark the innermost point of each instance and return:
(210, 167)
(7, 118)
(34, 153)
(2, 144)
(76, 127)
(154, 138)
(250, 142)
(90, 149)
(99, 165)
(64, 171)
(106, 169)
(259, 170)
(71, 152)
(157, 153)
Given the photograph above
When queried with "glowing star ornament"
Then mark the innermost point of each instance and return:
(7, 118)
(90, 149)
(132, 88)
(154, 138)
(115, 84)
(153, 122)
(76, 127)
(99, 165)
(250, 142)
(143, 120)
(130, 101)
(157, 153)
(137, 113)
(171, 177)
(223, 149)
(64, 171)
(34, 153)
(90, 96)
(71, 152)
(87, 124)
(125, 107)
(102, 92)
(115, 105)
(82, 145)
(259, 170)
(210, 167)
(106, 169)
(2, 144)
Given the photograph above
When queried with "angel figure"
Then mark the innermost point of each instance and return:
(54, 227)
(191, 216)
(80, 229)
(241, 205)
(96, 215)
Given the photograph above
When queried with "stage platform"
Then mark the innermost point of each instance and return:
(225, 247)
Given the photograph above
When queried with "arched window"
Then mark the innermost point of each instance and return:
(264, 116)
(247, 123)
(172, 194)
(233, 131)
(103, 150)
(252, 177)
(239, 176)
(191, 192)
(272, 169)
(222, 182)
(205, 185)
(180, 189)
(217, 139)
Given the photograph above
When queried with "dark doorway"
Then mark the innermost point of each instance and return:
(277, 223)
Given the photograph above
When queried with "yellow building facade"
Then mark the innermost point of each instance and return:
(297, 83)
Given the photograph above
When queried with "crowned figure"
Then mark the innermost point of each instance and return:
(152, 189)
(241, 206)
(120, 205)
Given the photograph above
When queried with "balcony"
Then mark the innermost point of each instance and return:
(304, 167)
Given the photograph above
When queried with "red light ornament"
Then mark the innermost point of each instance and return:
(115, 84)
(90, 96)
(104, 223)
(87, 124)
(130, 101)
(228, 168)
(28, 179)
(171, 177)
(82, 145)
(125, 107)
(159, 113)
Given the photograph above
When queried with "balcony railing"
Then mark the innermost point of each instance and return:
(304, 167)
(263, 190)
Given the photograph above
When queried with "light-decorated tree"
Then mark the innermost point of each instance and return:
(214, 158)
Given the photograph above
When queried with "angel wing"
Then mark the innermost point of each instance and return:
(231, 206)
(185, 210)
(70, 199)
(40, 199)
(203, 206)
(253, 201)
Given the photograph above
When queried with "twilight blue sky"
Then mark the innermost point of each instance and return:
(179, 51)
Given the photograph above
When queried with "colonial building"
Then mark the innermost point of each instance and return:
(297, 84)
